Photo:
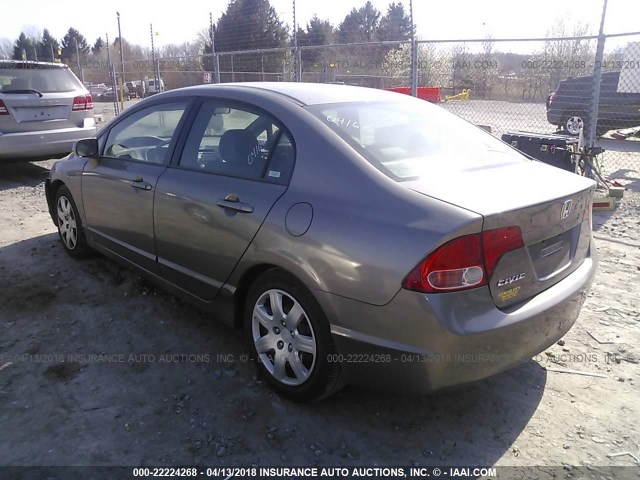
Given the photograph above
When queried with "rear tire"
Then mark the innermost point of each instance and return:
(288, 335)
(69, 224)
(572, 122)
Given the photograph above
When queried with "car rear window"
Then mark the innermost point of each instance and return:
(45, 80)
(407, 139)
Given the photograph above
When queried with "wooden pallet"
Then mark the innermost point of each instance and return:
(604, 204)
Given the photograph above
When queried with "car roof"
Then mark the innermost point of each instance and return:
(30, 64)
(612, 73)
(307, 93)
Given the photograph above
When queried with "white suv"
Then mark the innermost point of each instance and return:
(44, 109)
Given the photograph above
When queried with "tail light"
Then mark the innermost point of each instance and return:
(3, 108)
(495, 243)
(463, 263)
(550, 99)
(83, 102)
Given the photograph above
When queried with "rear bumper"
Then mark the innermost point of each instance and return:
(43, 144)
(554, 117)
(422, 343)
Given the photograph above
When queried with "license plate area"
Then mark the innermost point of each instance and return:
(552, 255)
(36, 114)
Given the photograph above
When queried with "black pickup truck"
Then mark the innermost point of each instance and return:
(568, 106)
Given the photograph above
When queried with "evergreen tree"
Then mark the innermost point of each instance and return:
(46, 45)
(396, 24)
(360, 25)
(249, 24)
(24, 45)
(69, 46)
(98, 46)
(318, 32)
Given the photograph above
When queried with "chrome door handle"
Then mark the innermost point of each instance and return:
(232, 202)
(139, 183)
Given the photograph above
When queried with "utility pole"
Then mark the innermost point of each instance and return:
(595, 92)
(122, 79)
(414, 54)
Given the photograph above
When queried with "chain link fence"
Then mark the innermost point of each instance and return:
(544, 86)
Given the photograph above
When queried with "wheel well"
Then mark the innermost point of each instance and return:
(55, 185)
(244, 285)
(243, 288)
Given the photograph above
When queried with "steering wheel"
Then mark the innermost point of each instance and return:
(117, 150)
(156, 153)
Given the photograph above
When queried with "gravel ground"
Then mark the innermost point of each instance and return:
(97, 367)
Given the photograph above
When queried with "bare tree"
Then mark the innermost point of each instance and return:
(6, 48)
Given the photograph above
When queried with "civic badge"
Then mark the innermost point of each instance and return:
(566, 209)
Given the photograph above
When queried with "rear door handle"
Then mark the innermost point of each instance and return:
(232, 202)
(140, 183)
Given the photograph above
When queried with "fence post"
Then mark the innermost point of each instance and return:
(114, 86)
(414, 68)
(414, 54)
(112, 77)
(595, 89)
(214, 58)
(298, 73)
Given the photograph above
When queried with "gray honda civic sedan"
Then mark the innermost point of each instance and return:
(356, 236)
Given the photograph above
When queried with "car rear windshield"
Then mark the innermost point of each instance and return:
(407, 139)
(42, 79)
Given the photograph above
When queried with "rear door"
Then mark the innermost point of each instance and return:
(118, 189)
(39, 98)
(235, 164)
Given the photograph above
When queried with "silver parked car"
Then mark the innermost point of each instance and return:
(44, 109)
(356, 235)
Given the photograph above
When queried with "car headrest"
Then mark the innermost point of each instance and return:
(239, 147)
(18, 84)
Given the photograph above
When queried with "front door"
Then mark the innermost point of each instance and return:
(118, 189)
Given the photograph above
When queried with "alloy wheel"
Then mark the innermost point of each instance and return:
(67, 224)
(574, 124)
(283, 337)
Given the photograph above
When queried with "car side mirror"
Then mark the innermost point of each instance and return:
(87, 147)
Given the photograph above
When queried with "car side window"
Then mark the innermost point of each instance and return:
(238, 142)
(145, 136)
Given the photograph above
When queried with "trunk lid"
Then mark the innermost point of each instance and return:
(550, 206)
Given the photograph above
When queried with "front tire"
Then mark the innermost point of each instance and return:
(69, 224)
(289, 337)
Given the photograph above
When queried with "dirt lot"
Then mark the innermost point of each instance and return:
(97, 367)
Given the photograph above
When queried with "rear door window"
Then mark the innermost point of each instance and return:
(239, 142)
